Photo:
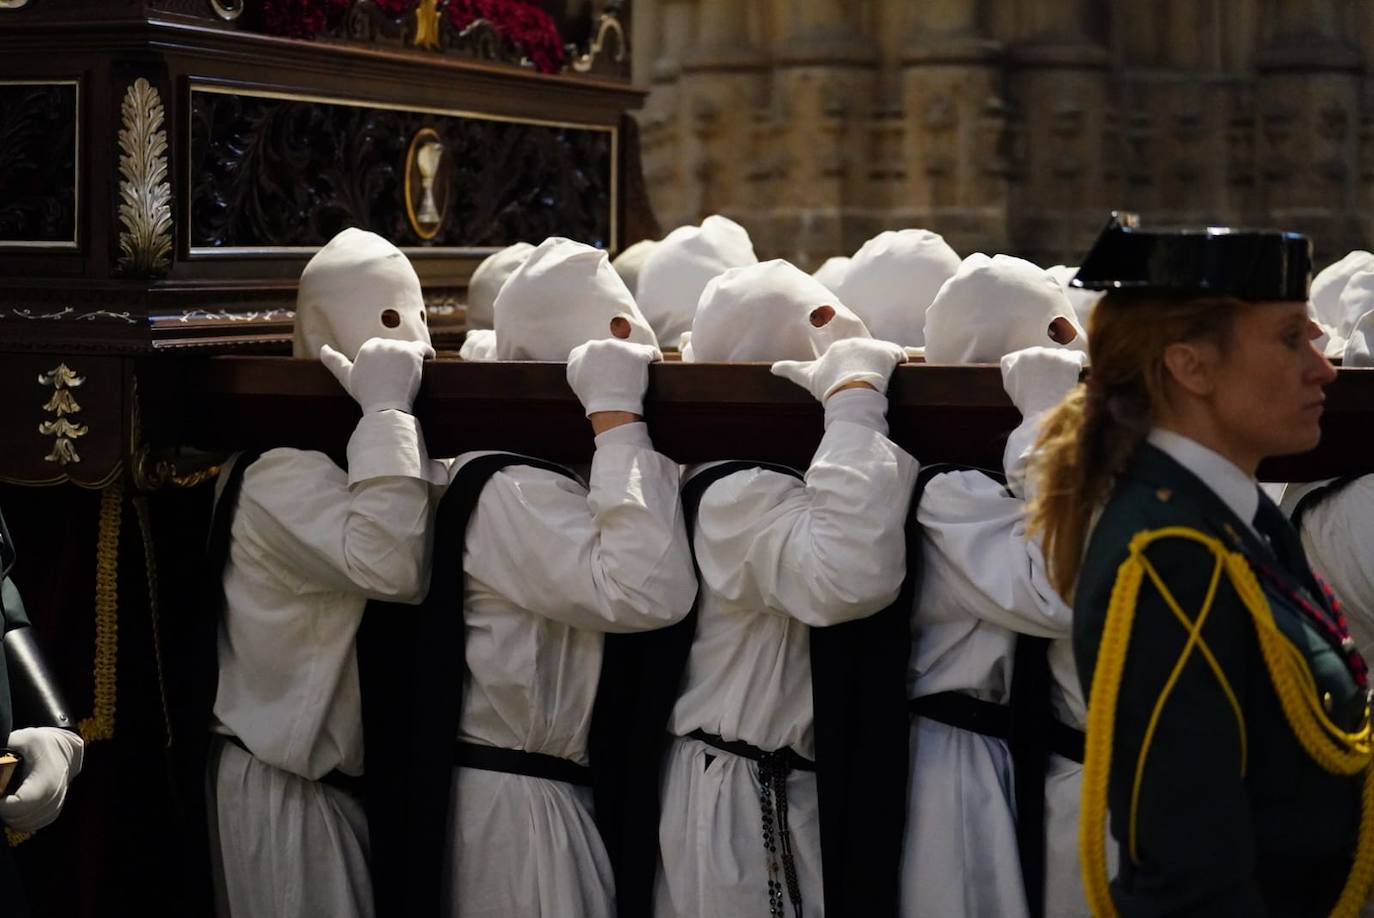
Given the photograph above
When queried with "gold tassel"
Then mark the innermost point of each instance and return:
(101, 724)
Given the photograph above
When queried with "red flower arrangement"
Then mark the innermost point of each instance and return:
(526, 26)
(294, 18)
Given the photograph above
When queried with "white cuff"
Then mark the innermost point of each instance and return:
(386, 444)
(636, 433)
(863, 406)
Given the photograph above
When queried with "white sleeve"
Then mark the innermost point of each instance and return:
(317, 528)
(824, 551)
(862, 406)
(613, 558)
(976, 533)
(1016, 457)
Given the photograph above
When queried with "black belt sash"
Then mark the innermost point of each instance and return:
(349, 784)
(1318, 496)
(786, 756)
(411, 701)
(987, 718)
(520, 762)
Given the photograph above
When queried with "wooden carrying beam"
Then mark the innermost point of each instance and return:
(696, 412)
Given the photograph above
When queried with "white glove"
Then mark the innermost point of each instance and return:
(1037, 378)
(52, 757)
(847, 360)
(479, 345)
(385, 374)
(609, 374)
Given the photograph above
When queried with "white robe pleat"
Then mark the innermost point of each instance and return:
(960, 782)
(290, 847)
(712, 822)
(522, 847)
(1064, 895)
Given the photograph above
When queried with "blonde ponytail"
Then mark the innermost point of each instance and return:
(1086, 442)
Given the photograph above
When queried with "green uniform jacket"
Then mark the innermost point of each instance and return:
(1277, 840)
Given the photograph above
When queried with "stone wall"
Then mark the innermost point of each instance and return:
(1007, 125)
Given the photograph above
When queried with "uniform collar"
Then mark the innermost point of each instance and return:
(1175, 481)
(1237, 490)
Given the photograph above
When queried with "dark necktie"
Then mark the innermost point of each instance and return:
(1284, 541)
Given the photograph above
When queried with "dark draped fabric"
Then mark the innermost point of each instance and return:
(410, 671)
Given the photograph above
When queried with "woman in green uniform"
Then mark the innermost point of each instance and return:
(1228, 740)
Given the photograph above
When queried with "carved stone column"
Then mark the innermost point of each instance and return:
(1178, 109)
(675, 28)
(663, 120)
(824, 32)
(957, 139)
(724, 83)
(1308, 103)
(1069, 180)
(823, 98)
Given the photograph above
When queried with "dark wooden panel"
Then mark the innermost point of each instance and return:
(38, 138)
(697, 412)
(271, 172)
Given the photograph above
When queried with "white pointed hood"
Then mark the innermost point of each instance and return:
(1359, 349)
(565, 294)
(678, 269)
(833, 271)
(1083, 301)
(763, 312)
(992, 307)
(892, 280)
(487, 281)
(344, 291)
(629, 264)
(1356, 299)
(1324, 296)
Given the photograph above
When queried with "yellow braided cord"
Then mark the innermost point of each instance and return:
(1204, 648)
(1194, 629)
(1333, 749)
(1330, 747)
(100, 725)
(1097, 749)
(1361, 877)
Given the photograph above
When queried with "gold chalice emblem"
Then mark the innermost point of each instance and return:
(426, 185)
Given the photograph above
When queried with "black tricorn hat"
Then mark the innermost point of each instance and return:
(1246, 264)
